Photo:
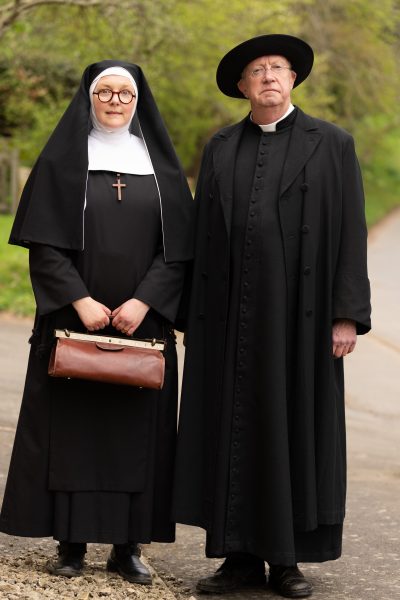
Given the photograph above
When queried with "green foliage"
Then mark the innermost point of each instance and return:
(15, 288)
(179, 44)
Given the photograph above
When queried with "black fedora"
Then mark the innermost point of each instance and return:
(298, 53)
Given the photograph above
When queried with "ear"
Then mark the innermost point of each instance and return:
(242, 87)
(293, 77)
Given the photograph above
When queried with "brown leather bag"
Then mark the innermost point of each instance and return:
(108, 359)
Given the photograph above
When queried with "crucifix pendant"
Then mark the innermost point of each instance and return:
(119, 185)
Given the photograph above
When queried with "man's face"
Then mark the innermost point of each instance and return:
(267, 82)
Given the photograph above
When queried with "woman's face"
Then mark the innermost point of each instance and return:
(114, 113)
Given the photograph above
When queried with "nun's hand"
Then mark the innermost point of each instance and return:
(127, 317)
(94, 315)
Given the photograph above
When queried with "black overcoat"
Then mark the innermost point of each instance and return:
(321, 216)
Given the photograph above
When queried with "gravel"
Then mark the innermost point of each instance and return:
(23, 576)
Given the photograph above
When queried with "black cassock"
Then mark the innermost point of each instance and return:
(280, 253)
(93, 462)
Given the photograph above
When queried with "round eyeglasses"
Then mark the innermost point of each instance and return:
(105, 95)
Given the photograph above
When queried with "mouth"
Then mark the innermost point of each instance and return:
(113, 113)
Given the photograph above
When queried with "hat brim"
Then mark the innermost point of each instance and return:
(296, 51)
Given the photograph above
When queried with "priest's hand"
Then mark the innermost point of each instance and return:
(344, 337)
(127, 317)
(94, 315)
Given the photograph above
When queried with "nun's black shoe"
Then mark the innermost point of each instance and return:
(289, 582)
(70, 560)
(232, 577)
(125, 560)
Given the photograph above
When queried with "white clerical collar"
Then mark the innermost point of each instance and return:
(272, 126)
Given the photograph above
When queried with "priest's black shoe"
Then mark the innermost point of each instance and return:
(230, 577)
(70, 560)
(289, 582)
(125, 560)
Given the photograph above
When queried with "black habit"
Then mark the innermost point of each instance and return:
(280, 254)
(94, 462)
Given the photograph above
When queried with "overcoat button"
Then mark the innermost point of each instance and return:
(305, 229)
(309, 313)
(304, 187)
(307, 270)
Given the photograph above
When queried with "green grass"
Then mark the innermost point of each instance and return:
(15, 285)
(380, 199)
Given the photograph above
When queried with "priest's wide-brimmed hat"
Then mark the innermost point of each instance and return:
(296, 51)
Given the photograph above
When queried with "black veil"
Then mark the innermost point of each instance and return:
(51, 209)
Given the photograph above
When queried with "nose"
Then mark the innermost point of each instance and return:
(268, 74)
(114, 98)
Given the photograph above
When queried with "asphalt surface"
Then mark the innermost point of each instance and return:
(370, 566)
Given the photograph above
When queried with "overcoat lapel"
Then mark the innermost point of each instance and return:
(304, 140)
(224, 158)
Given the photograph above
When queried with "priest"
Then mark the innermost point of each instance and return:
(279, 294)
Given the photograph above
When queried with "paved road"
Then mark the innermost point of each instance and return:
(370, 566)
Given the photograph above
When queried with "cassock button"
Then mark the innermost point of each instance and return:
(304, 187)
(260, 163)
(204, 275)
(201, 315)
(305, 229)
(307, 270)
(257, 188)
(309, 313)
(252, 213)
(210, 195)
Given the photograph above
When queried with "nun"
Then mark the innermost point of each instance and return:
(106, 216)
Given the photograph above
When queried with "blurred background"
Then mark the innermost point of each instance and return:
(45, 45)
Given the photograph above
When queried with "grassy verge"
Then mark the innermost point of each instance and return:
(15, 287)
